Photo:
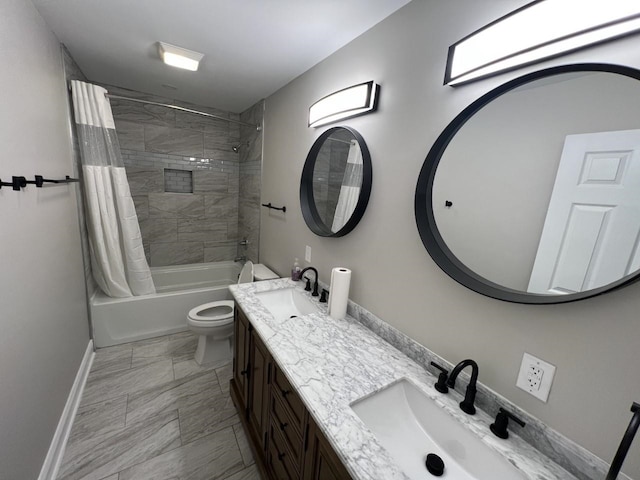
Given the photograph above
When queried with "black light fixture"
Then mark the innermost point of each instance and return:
(540, 30)
(348, 102)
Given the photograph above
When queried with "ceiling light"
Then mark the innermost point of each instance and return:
(179, 57)
(345, 103)
(537, 31)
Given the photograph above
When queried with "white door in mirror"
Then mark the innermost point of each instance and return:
(589, 238)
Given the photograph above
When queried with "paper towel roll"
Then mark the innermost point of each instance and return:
(339, 292)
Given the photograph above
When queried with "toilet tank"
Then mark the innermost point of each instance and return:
(262, 272)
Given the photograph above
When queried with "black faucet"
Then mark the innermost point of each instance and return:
(470, 396)
(315, 284)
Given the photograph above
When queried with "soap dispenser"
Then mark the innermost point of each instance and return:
(295, 270)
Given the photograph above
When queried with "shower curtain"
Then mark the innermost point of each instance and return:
(117, 257)
(350, 189)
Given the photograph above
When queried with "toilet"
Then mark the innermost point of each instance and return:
(213, 321)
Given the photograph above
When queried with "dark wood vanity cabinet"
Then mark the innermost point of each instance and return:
(321, 462)
(250, 382)
(285, 440)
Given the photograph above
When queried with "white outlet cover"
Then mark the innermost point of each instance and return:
(535, 376)
(307, 254)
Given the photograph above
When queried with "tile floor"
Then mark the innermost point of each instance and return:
(150, 412)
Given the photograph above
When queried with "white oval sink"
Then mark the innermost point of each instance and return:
(285, 303)
(411, 425)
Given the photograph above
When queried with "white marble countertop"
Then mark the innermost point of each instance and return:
(333, 363)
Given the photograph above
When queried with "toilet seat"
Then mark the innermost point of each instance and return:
(198, 318)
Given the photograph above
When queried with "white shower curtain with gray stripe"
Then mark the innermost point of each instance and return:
(117, 257)
(350, 189)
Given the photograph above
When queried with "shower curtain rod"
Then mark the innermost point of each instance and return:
(182, 109)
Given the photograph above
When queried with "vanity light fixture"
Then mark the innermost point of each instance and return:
(179, 57)
(348, 102)
(540, 30)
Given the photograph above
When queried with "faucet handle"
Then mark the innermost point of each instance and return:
(323, 296)
(308, 287)
(441, 384)
(499, 427)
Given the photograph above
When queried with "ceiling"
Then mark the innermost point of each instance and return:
(252, 47)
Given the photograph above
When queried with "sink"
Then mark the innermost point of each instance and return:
(411, 425)
(285, 303)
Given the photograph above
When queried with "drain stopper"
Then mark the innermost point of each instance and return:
(435, 465)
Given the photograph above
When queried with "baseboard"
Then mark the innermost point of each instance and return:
(53, 460)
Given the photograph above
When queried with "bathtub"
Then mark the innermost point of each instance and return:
(178, 290)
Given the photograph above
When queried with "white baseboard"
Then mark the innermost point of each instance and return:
(53, 460)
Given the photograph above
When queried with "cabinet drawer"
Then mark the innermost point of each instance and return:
(280, 460)
(290, 400)
(290, 434)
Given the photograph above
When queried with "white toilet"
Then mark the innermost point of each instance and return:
(213, 321)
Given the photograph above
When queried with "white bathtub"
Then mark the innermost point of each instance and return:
(179, 289)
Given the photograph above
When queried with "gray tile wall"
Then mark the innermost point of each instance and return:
(180, 228)
(178, 181)
(250, 181)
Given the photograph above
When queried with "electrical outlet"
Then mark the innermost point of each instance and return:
(535, 376)
(307, 254)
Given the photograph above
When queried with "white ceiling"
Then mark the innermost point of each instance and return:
(251, 47)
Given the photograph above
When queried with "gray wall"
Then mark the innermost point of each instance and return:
(593, 343)
(42, 294)
(180, 228)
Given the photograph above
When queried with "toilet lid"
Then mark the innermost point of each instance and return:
(246, 274)
(219, 312)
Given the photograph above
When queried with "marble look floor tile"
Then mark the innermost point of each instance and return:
(98, 420)
(215, 456)
(185, 368)
(225, 374)
(138, 442)
(111, 359)
(111, 477)
(103, 386)
(243, 445)
(177, 347)
(187, 393)
(198, 420)
(249, 473)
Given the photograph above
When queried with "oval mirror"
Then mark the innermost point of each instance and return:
(532, 193)
(336, 182)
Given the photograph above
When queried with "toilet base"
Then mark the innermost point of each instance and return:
(212, 352)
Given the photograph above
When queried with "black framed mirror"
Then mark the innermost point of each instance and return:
(532, 193)
(336, 182)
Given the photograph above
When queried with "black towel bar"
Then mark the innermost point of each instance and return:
(268, 205)
(18, 183)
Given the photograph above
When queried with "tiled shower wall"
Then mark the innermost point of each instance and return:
(180, 228)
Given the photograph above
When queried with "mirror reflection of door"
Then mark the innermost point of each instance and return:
(591, 231)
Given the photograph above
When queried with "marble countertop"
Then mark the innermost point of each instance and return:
(333, 363)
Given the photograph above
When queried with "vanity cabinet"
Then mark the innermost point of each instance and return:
(250, 382)
(321, 462)
(284, 438)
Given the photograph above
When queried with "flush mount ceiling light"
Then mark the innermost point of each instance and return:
(345, 103)
(179, 57)
(538, 31)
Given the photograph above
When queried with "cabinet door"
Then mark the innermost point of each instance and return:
(321, 462)
(241, 356)
(260, 366)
